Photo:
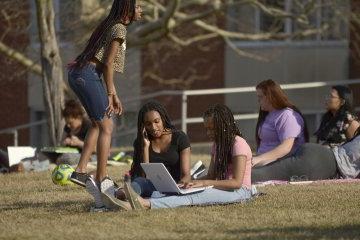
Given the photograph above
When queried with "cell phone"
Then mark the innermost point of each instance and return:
(145, 134)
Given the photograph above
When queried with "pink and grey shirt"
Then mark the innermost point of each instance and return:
(240, 147)
(278, 126)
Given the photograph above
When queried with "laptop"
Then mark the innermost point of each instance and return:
(16, 154)
(163, 181)
(53, 153)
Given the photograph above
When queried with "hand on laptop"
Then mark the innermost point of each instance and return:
(185, 185)
(195, 183)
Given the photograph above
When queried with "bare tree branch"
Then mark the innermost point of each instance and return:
(154, 30)
(192, 40)
(21, 58)
(242, 52)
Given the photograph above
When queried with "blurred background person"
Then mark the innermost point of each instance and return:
(76, 127)
(339, 123)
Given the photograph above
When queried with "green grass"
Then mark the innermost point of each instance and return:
(32, 207)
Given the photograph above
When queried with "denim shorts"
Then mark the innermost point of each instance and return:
(87, 85)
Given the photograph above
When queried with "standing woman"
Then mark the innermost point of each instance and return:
(103, 54)
(280, 131)
(339, 123)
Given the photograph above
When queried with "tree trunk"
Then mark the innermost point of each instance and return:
(52, 74)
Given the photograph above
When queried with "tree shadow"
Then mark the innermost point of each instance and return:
(65, 206)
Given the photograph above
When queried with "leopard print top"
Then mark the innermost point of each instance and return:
(117, 31)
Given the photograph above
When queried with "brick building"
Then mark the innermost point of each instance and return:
(14, 108)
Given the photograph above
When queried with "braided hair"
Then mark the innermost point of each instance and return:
(225, 131)
(138, 143)
(120, 10)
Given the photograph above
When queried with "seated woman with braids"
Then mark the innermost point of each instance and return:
(158, 141)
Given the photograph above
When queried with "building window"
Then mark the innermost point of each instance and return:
(326, 16)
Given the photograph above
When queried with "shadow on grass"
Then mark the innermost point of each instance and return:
(65, 206)
(303, 232)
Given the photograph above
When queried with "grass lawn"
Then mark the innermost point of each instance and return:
(32, 207)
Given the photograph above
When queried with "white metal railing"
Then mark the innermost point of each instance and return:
(184, 101)
(14, 130)
(185, 120)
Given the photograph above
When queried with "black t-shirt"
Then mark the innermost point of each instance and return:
(171, 158)
(85, 126)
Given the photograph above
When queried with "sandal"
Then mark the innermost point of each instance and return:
(112, 203)
(108, 196)
(132, 197)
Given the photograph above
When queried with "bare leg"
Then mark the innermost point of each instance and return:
(103, 147)
(144, 202)
(89, 146)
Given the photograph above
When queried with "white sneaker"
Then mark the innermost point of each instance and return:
(108, 193)
(93, 189)
(107, 186)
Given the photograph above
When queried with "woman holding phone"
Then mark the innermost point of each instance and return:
(158, 141)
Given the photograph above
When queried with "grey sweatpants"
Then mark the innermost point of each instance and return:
(311, 161)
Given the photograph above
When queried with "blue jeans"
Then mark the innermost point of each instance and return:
(87, 85)
(207, 197)
(143, 187)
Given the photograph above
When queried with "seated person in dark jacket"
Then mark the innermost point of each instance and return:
(339, 123)
(76, 125)
(75, 129)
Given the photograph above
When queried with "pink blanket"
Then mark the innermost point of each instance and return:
(330, 181)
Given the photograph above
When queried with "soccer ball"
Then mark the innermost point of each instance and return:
(61, 174)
